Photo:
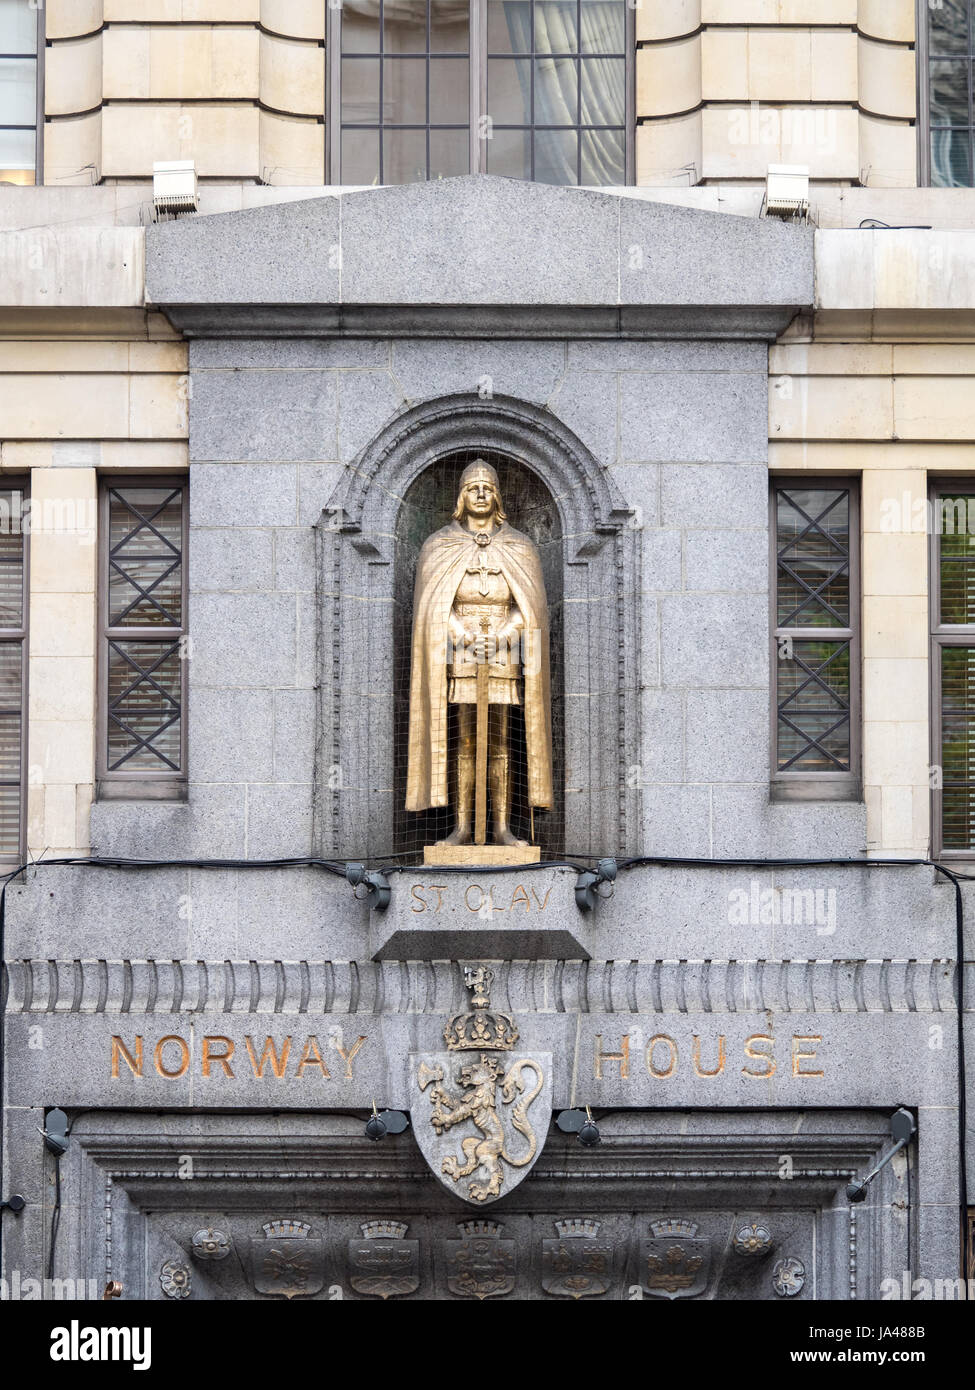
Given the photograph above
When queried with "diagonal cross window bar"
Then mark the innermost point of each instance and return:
(142, 724)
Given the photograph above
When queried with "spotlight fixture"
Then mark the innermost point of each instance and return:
(581, 1124)
(901, 1131)
(787, 191)
(589, 1135)
(14, 1203)
(174, 186)
(55, 1133)
(376, 884)
(588, 882)
(381, 1123)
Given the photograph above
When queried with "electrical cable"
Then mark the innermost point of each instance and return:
(55, 1217)
(961, 1060)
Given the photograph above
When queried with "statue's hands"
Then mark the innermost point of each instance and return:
(485, 647)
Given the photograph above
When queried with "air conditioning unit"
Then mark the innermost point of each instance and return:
(787, 190)
(174, 186)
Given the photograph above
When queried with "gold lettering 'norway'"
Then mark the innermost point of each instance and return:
(219, 1057)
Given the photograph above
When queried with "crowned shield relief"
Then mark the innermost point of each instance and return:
(480, 1112)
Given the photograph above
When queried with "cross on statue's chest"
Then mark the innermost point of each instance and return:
(483, 570)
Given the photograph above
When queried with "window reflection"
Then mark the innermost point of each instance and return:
(18, 91)
(560, 87)
(951, 64)
(553, 81)
(406, 111)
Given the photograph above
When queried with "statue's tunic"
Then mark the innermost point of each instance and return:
(449, 578)
(484, 603)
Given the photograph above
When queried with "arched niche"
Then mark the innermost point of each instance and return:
(401, 487)
(530, 508)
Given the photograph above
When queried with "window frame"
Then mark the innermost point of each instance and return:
(941, 635)
(478, 64)
(21, 634)
(40, 44)
(817, 786)
(923, 60)
(138, 785)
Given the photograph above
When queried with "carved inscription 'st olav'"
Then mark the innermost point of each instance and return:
(473, 897)
(480, 643)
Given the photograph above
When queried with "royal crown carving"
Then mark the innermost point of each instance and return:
(480, 1027)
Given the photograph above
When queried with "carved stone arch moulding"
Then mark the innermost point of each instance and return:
(356, 545)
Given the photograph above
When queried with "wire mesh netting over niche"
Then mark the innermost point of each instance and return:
(484, 601)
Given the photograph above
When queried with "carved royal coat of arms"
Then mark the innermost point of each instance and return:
(480, 1125)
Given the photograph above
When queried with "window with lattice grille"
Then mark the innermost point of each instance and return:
(13, 663)
(953, 669)
(142, 745)
(815, 648)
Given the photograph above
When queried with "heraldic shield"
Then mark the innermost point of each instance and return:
(675, 1263)
(382, 1264)
(288, 1260)
(480, 1115)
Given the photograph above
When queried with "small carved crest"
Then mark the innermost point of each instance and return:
(288, 1261)
(578, 1264)
(675, 1262)
(382, 1264)
(481, 1265)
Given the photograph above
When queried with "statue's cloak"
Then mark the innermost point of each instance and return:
(444, 558)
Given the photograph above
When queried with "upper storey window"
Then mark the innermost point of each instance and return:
(949, 71)
(142, 740)
(530, 89)
(18, 91)
(815, 649)
(13, 671)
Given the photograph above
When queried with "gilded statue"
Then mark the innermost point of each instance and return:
(480, 643)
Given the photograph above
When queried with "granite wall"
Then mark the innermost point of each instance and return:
(719, 1019)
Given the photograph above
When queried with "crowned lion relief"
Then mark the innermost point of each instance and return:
(485, 1150)
(495, 1093)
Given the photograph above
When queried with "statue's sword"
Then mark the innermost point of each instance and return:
(480, 767)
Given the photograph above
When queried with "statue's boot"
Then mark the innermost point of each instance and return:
(499, 778)
(463, 798)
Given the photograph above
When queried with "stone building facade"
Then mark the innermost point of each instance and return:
(225, 425)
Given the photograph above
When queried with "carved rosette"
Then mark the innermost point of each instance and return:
(175, 1280)
(208, 1244)
(753, 1240)
(788, 1277)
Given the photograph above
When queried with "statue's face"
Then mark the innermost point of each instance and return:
(480, 498)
